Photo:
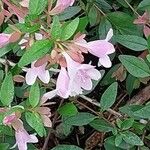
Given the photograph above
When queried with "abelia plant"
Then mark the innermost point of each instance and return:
(58, 58)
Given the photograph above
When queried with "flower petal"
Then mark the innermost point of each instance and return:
(62, 84)
(105, 61)
(44, 76)
(46, 120)
(94, 74)
(48, 95)
(100, 48)
(31, 76)
(109, 35)
(87, 84)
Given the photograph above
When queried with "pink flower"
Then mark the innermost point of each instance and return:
(72, 83)
(81, 76)
(40, 72)
(25, 3)
(22, 137)
(62, 85)
(9, 119)
(99, 48)
(4, 39)
(61, 5)
(143, 20)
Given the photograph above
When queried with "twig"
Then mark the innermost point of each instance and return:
(98, 105)
(49, 133)
(142, 97)
(135, 12)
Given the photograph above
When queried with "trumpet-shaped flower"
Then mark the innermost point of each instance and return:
(72, 82)
(100, 48)
(22, 138)
(21, 135)
(61, 5)
(4, 39)
(62, 85)
(81, 76)
(40, 72)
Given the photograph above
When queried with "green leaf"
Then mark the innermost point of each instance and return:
(109, 96)
(68, 109)
(56, 28)
(143, 112)
(130, 109)
(4, 50)
(126, 124)
(104, 27)
(37, 6)
(34, 95)
(66, 147)
(37, 50)
(69, 29)
(92, 16)
(131, 83)
(7, 90)
(110, 144)
(28, 28)
(101, 125)
(132, 42)
(122, 22)
(4, 146)
(144, 4)
(131, 138)
(118, 139)
(35, 121)
(69, 12)
(135, 66)
(80, 119)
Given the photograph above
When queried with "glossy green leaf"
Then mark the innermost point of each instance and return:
(104, 27)
(69, 29)
(7, 90)
(101, 125)
(37, 6)
(122, 21)
(118, 139)
(131, 138)
(34, 95)
(37, 50)
(135, 66)
(109, 96)
(80, 119)
(68, 109)
(127, 123)
(132, 42)
(69, 13)
(144, 4)
(35, 121)
(143, 112)
(56, 28)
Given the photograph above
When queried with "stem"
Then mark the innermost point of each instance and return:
(135, 12)
(99, 10)
(98, 105)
